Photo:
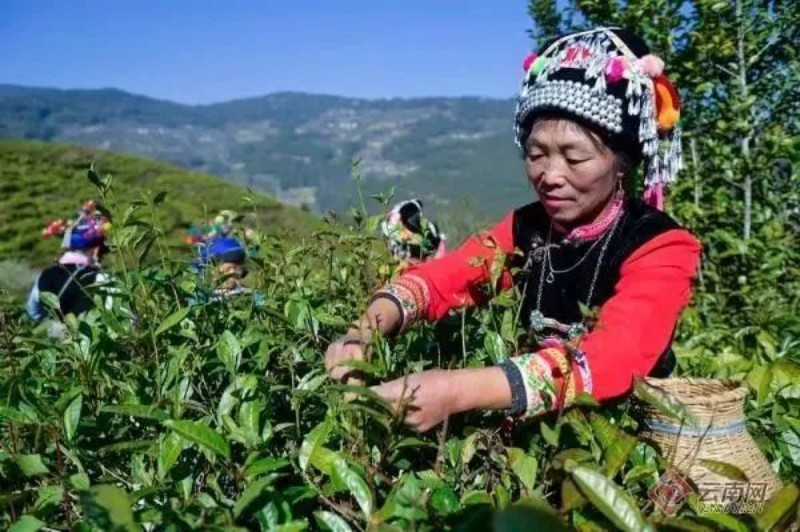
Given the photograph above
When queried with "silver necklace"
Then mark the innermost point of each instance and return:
(538, 321)
(552, 272)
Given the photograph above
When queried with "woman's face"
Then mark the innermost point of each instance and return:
(229, 273)
(573, 172)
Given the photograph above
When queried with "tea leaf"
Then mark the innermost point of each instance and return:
(684, 525)
(571, 497)
(792, 443)
(664, 402)
(50, 300)
(251, 494)
(576, 455)
(780, 509)
(332, 522)
(13, 415)
(724, 469)
(72, 416)
(529, 515)
(315, 439)
(26, 523)
(526, 469)
(551, 435)
(202, 435)
(141, 411)
(47, 498)
(169, 450)
(468, 449)
(355, 483)
(609, 498)
(266, 465)
(617, 444)
(476, 497)
(725, 522)
(229, 351)
(109, 507)
(172, 320)
(495, 346)
(31, 465)
(444, 501)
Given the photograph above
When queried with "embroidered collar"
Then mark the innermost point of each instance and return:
(76, 258)
(598, 227)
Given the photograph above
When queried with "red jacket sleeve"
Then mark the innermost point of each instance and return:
(634, 328)
(461, 278)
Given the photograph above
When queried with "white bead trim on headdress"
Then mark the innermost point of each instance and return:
(603, 109)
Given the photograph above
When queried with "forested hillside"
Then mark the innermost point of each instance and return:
(297, 147)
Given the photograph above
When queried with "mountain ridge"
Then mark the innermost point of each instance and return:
(296, 146)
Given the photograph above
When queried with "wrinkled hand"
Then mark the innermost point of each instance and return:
(429, 397)
(348, 347)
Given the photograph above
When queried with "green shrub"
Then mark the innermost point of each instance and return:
(221, 416)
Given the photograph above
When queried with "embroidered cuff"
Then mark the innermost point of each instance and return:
(546, 380)
(410, 293)
(518, 401)
(537, 380)
(383, 294)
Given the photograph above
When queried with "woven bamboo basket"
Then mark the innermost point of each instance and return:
(720, 435)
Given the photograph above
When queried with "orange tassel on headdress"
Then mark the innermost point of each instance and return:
(668, 104)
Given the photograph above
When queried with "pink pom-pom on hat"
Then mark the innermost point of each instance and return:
(615, 69)
(529, 59)
(651, 66)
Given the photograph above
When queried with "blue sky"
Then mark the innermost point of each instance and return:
(207, 51)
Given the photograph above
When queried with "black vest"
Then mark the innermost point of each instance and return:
(560, 299)
(71, 281)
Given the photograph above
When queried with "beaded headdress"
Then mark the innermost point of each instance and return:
(607, 79)
(88, 231)
(409, 234)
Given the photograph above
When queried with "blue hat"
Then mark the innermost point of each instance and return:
(222, 249)
(88, 231)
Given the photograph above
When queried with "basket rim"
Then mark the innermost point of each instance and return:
(733, 389)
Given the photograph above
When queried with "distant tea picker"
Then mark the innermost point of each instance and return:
(412, 238)
(77, 269)
(593, 107)
(223, 248)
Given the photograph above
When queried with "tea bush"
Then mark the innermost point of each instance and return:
(220, 415)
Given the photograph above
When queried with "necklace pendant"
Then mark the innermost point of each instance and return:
(550, 277)
(575, 330)
(537, 321)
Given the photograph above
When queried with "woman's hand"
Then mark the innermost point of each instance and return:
(429, 397)
(349, 347)
(382, 317)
